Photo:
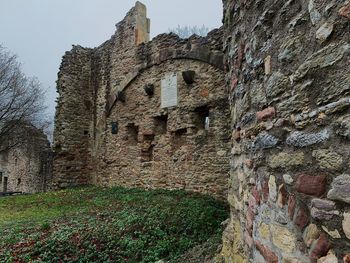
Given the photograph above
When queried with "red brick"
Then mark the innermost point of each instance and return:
(269, 256)
(250, 219)
(291, 206)
(345, 10)
(266, 113)
(320, 249)
(248, 239)
(248, 163)
(302, 218)
(256, 195)
(311, 185)
(265, 190)
(282, 196)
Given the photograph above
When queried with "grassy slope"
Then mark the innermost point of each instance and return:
(106, 225)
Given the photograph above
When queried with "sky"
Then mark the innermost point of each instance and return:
(40, 31)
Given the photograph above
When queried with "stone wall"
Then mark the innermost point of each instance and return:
(27, 167)
(149, 145)
(288, 78)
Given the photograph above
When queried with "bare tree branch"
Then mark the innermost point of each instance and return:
(21, 102)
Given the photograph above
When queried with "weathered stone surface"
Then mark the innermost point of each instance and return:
(315, 15)
(288, 179)
(305, 78)
(283, 238)
(345, 10)
(323, 33)
(290, 49)
(266, 113)
(264, 231)
(291, 206)
(272, 188)
(264, 141)
(340, 189)
(287, 160)
(321, 248)
(346, 224)
(276, 84)
(302, 218)
(330, 258)
(342, 126)
(311, 184)
(269, 256)
(346, 258)
(311, 233)
(333, 233)
(301, 139)
(323, 209)
(328, 159)
(325, 57)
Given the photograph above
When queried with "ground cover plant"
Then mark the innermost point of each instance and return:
(94, 224)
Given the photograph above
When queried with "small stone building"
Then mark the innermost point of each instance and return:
(140, 113)
(27, 167)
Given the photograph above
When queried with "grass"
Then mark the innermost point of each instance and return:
(94, 224)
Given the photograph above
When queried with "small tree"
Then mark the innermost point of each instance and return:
(187, 31)
(21, 101)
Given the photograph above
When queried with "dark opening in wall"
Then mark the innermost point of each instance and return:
(160, 123)
(202, 119)
(86, 132)
(147, 148)
(132, 133)
(19, 181)
(114, 127)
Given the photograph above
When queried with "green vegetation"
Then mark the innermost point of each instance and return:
(106, 225)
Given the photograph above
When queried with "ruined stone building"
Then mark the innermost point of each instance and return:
(27, 166)
(140, 113)
(155, 114)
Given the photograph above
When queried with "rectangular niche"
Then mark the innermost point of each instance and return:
(202, 118)
(160, 124)
(132, 133)
(147, 148)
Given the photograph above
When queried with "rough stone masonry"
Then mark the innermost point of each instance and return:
(287, 77)
(140, 113)
(288, 80)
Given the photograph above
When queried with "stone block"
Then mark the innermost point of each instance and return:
(302, 139)
(323, 209)
(311, 233)
(283, 238)
(286, 160)
(266, 252)
(311, 185)
(345, 10)
(264, 141)
(266, 114)
(328, 159)
(324, 32)
(340, 189)
(346, 224)
(321, 248)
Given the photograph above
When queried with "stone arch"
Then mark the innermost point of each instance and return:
(202, 54)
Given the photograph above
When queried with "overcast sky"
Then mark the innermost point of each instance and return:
(40, 31)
